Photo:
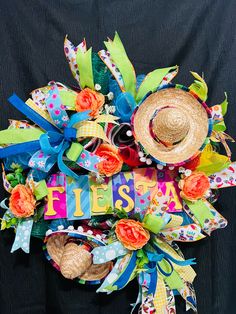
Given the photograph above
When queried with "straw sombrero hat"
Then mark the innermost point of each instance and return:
(69, 251)
(172, 125)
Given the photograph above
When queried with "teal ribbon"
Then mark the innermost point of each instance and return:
(170, 258)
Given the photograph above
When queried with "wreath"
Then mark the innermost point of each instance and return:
(112, 172)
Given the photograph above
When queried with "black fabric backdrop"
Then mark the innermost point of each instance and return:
(197, 35)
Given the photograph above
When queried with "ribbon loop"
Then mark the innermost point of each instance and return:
(70, 134)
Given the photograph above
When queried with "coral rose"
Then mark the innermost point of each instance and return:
(88, 99)
(132, 234)
(22, 202)
(195, 186)
(111, 163)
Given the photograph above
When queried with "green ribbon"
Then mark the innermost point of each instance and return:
(200, 210)
(152, 80)
(219, 127)
(153, 223)
(74, 151)
(121, 60)
(213, 167)
(40, 190)
(84, 62)
(224, 105)
(16, 136)
(174, 280)
(199, 86)
(68, 99)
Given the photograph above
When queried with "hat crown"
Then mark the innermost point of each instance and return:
(170, 125)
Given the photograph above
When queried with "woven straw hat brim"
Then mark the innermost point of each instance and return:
(198, 125)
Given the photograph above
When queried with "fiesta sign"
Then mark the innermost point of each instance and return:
(79, 199)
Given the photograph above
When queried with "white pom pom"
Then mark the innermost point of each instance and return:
(160, 167)
(97, 87)
(188, 172)
(143, 159)
(90, 232)
(70, 227)
(171, 168)
(61, 227)
(148, 161)
(98, 236)
(129, 133)
(141, 154)
(48, 232)
(80, 229)
(110, 96)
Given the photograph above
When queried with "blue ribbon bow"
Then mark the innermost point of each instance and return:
(52, 145)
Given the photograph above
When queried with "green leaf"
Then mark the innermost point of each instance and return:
(12, 222)
(199, 86)
(10, 176)
(38, 213)
(3, 224)
(120, 213)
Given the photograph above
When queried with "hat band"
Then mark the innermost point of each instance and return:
(154, 136)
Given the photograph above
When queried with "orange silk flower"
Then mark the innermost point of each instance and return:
(112, 161)
(195, 186)
(22, 202)
(88, 99)
(132, 234)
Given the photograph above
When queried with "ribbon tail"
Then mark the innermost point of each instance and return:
(138, 300)
(62, 166)
(123, 63)
(127, 275)
(21, 106)
(159, 299)
(188, 294)
(204, 214)
(170, 301)
(103, 254)
(22, 238)
(223, 137)
(17, 149)
(107, 285)
(224, 178)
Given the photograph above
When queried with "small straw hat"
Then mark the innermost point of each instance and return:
(172, 125)
(70, 253)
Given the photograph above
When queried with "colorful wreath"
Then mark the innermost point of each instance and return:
(113, 171)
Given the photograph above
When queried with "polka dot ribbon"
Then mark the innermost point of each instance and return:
(22, 238)
(109, 252)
